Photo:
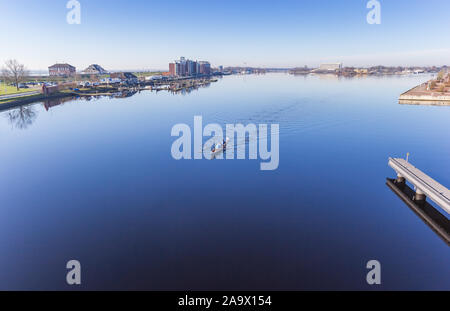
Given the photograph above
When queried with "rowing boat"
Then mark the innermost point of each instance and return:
(219, 148)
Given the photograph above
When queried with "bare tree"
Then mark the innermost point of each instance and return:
(14, 72)
(22, 117)
(4, 76)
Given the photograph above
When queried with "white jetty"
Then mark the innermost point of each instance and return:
(424, 185)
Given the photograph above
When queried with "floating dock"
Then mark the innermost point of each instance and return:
(424, 185)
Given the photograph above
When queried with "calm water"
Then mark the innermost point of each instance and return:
(95, 181)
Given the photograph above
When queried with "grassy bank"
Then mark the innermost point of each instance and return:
(27, 99)
(9, 90)
(147, 74)
(23, 100)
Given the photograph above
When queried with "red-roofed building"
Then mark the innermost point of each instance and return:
(61, 70)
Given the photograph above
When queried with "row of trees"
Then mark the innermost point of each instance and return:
(441, 82)
(13, 72)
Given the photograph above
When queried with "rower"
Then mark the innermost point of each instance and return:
(225, 142)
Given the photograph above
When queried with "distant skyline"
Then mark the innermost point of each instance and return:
(148, 34)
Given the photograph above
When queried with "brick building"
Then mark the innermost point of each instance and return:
(172, 69)
(188, 68)
(61, 70)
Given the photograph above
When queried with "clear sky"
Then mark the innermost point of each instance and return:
(147, 34)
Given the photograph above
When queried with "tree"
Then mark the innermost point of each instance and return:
(440, 75)
(22, 117)
(14, 72)
(3, 79)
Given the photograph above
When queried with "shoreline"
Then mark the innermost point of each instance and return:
(422, 94)
(31, 99)
(171, 86)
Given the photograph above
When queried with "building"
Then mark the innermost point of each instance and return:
(361, 71)
(331, 67)
(127, 77)
(48, 90)
(61, 70)
(110, 81)
(191, 68)
(172, 69)
(95, 69)
(188, 68)
(154, 78)
(181, 67)
(204, 68)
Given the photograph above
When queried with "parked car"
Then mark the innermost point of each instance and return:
(84, 84)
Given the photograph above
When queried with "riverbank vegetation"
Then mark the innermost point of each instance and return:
(13, 72)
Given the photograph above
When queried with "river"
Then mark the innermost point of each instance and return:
(95, 181)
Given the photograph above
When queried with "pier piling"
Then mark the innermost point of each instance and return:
(424, 185)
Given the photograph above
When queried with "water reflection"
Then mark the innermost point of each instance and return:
(429, 215)
(184, 90)
(22, 117)
(270, 229)
(124, 94)
(56, 102)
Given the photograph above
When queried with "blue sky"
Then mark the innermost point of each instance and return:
(147, 34)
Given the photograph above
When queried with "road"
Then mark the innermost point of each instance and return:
(19, 95)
